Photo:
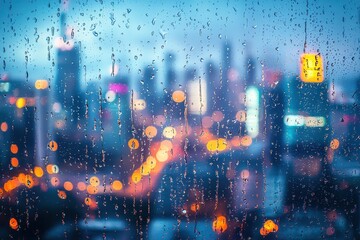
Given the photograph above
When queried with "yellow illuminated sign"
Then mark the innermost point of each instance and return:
(311, 68)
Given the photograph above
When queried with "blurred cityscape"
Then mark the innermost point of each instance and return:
(213, 154)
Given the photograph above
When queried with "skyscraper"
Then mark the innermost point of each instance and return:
(67, 90)
(147, 90)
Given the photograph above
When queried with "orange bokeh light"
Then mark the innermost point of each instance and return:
(68, 186)
(116, 185)
(13, 223)
(38, 171)
(220, 224)
(55, 181)
(53, 146)
(4, 126)
(14, 162)
(133, 144)
(14, 149)
(150, 131)
(81, 186)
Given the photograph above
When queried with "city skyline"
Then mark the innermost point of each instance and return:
(132, 53)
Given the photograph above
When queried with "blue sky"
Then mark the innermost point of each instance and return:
(142, 31)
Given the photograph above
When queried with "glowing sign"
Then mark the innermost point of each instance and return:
(299, 121)
(118, 88)
(294, 120)
(311, 68)
(197, 97)
(252, 112)
(4, 87)
(314, 121)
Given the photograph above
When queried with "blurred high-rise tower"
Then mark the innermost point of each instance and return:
(67, 90)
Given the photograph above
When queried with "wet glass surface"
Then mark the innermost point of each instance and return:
(179, 119)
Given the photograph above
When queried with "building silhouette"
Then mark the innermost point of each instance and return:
(67, 88)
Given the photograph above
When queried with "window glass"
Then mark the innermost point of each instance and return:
(179, 119)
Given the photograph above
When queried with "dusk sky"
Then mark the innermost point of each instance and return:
(141, 32)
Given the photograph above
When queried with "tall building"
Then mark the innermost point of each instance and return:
(41, 121)
(68, 104)
(67, 89)
(306, 139)
(223, 102)
(274, 109)
(148, 90)
(194, 99)
(117, 116)
(174, 110)
(212, 76)
(171, 80)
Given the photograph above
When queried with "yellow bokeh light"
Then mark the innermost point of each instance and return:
(41, 84)
(219, 224)
(133, 144)
(136, 176)
(211, 145)
(151, 131)
(20, 102)
(94, 181)
(145, 169)
(270, 226)
(38, 171)
(151, 162)
(162, 155)
(169, 132)
(219, 145)
(166, 145)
